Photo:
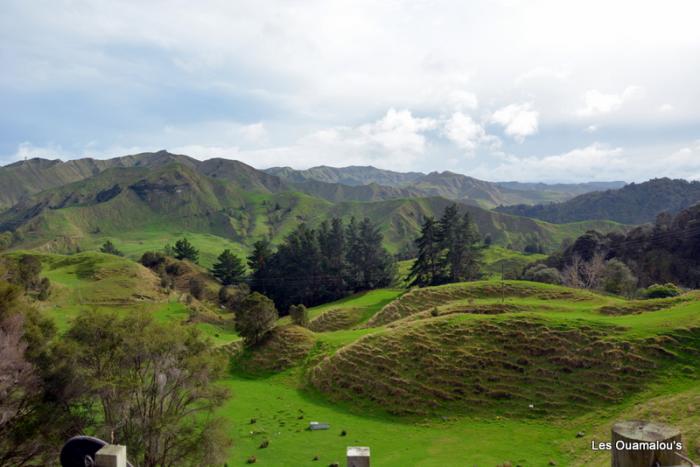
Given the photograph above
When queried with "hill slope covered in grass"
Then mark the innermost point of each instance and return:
(632, 204)
(518, 372)
(139, 205)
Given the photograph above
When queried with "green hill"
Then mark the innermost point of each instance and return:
(631, 204)
(142, 208)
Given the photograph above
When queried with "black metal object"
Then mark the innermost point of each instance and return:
(79, 451)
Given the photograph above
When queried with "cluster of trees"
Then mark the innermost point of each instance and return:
(313, 266)
(122, 377)
(449, 250)
(667, 251)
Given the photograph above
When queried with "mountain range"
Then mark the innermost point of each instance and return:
(61, 206)
(636, 203)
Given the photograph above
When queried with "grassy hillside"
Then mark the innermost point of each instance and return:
(519, 376)
(631, 204)
(143, 208)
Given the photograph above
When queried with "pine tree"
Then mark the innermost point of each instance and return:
(185, 250)
(332, 245)
(452, 245)
(426, 270)
(259, 262)
(109, 248)
(466, 255)
(376, 267)
(228, 268)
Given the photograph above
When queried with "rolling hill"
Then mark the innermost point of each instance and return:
(446, 184)
(635, 203)
(238, 206)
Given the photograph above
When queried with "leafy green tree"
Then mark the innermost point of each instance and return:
(154, 385)
(256, 317)
(427, 269)
(109, 248)
(185, 250)
(229, 268)
(299, 315)
(618, 278)
(36, 397)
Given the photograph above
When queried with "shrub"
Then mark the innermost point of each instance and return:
(152, 259)
(618, 278)
(109, 248)
(185, 250)
(232, 296)
(299, 315)
(197, 288)
(661, 291)
(542, 273)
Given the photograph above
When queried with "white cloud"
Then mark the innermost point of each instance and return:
(665, 108)
(463, 131)
(596, 102)
(591, 128)
(518, 120)
(255, 133)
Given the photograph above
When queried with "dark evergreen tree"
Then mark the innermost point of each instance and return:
(332, 246)
(259, 262)
(109, 248)
(426, 270)
(375, 267)
(185, 250)
(352, 253)
(229, 268)
(465, 255)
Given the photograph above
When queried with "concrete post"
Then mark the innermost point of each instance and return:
(111, 455)
(358, 456)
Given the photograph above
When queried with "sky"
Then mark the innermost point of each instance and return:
(536, 90)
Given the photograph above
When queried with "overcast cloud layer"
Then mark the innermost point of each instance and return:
(501, 90)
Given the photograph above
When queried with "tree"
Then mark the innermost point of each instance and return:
(299, 315)
(154, 384)
(109, 248)
(618, 278)
(259, 263)
(185, 250)
(541, 273)
(461, 246)
(36, 397)
(229, 268)
(427, 269)
(256, 317)
(373, 265)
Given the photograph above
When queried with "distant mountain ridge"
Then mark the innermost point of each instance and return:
(636, 203)
(447, 184)
(168, 194)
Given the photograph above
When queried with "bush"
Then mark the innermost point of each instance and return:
(197, 288)
(152, 259)
(661, 291)
(109, 248)
(542, 273)
(618, 278)
(299, 315)
(185, 250)
(232, 296)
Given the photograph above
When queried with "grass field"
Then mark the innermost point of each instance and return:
(401, 375)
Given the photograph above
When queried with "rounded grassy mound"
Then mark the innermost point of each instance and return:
(284, 347)
(419, 300)
(513, 366)
(336, 319)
